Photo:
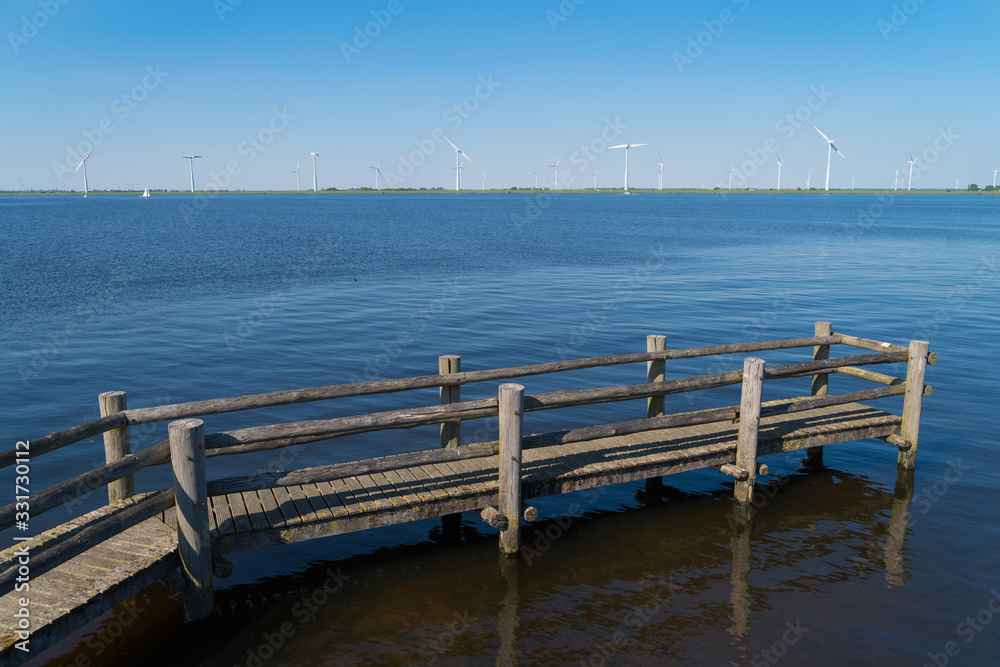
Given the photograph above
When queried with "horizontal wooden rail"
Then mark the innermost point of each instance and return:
(54, 441)
(54, 496)
(161, 413)
(878, 346)
(93, 535)
(259, 438)
(329, 473)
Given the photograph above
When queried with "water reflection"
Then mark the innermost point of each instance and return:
(682, 578)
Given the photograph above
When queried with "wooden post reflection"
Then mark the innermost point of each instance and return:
(509, 619)
(899, 520)
(739, 546)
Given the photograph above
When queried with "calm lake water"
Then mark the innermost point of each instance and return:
(180, 298)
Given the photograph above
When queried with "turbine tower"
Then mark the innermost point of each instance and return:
(315, 186)
(378, 172)
(459, 154)
(780, 161)
(994, 177)
(829, 154)
(730, 172)
(190, 158)
(595, 181)
(556, 168)
(895, 180)
(809, 176)
(297, 172)
(83, 163)
(484, 181)
(536, 178)
(910, 183)
(660, 173)
(626, 147)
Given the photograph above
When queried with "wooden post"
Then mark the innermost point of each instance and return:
(912, 400)
(451, 432)
(655, 372)
(746, 444)
(511, 408)
(116, 445)
(187, 457)
(820, 386)
(655, 405)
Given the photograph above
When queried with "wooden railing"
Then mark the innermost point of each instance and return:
(188, 445)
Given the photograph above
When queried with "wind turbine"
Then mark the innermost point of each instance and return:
(556, 167)
(22, 185)
(809, 176)
(780, 161)
(595, 181)
(378, 172)
(895, 180)
(661, 170)
(190, 158)
(536, 178)
(484, 181)
(626, 147)
(910, 184)
(83, 163)
(296, 172)
(994, 177)
(459, 154)
(730, 172)
(314, 156)
(829, 154)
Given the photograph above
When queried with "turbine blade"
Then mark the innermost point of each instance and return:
(619, 146)
(634, 145)
(821, 134)
(452, 145)
(836, 149)
(558, 161)
(466, 156)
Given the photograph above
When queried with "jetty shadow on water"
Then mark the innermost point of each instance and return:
(677, 576)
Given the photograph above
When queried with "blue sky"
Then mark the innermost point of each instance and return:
(255, 86)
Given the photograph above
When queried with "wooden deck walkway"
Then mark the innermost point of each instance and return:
(89, 585)
(256, 519)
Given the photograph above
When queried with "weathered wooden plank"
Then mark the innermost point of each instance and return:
(270, 505)
(417, 484)
(360, 501)
(239, 512)
(407, 494)
(221, 515)
(389, 491)
(289, 512)
(377, 495)
(255, 510)
(302, 505)
(337, 497)
(316, 501)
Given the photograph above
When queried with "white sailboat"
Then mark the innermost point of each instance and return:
(145, 194)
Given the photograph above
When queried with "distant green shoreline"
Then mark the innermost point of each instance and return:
(665, 191)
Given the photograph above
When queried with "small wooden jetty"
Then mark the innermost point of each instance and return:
(56, 582)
